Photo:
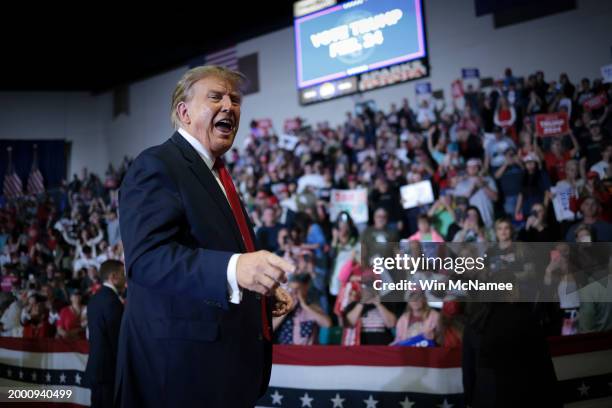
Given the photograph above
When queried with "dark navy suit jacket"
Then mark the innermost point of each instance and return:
(104, 312)
(182, 343)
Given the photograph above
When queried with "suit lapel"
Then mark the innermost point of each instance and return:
(250, 225)
(208, 181)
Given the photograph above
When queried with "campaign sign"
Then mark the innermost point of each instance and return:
(423, 88)
(561, 203)
(551, 124)
(416, 194)
(596, 102)
(606, 73)
(288, 142)
(467, 73)
(471, 78)
(355, 202)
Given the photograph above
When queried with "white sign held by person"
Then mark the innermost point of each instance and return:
(417, 194)
(355, 202)
(561, 203)
(288, 142)
(606, 73)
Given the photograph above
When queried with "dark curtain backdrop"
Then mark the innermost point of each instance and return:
(52, 160)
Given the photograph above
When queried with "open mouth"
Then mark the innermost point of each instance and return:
(225, 126)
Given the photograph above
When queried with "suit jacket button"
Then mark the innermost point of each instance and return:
(260, 337)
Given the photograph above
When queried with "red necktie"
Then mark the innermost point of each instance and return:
(234, 201)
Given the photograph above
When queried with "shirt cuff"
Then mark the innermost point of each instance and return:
(235, 293)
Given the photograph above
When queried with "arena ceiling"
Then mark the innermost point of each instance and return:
(97, 46)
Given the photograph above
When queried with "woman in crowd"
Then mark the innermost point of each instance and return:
(418, 323)
(565, 193)
(371, 318)
(363, 317)
(473, 228)
(37, 324)
(559, 277)
(535, 188)
(300, 325)
(425, 231)
(537, 228)
(527, 142)
(555, 160)
(345, 246)
(505, 116)
(450, 327)
(71, 319)
(313, 240)
(442, 213)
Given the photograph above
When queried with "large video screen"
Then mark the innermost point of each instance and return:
(355, 37)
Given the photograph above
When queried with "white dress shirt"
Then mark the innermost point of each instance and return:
(235, 294)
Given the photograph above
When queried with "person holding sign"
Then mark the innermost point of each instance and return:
(564, 190)
(556, 158)
(505, 116)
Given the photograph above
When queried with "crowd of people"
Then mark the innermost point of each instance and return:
(494, 180)
(52, 248)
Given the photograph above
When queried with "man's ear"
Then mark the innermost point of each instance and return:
(182, 111)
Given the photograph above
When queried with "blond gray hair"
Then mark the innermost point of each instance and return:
(184, 87)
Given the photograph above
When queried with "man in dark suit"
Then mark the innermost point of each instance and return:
(197, 325)
(104, 313)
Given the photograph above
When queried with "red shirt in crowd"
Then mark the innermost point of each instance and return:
(555, 165)
(69, 320)
(39, 330)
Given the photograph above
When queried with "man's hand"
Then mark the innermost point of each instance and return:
(283, 304)
(262, 271)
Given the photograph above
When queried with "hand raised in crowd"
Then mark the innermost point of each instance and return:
(335, 234)
(532, 222)
(374, 300)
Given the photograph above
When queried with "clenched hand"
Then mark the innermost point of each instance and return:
(262, 272)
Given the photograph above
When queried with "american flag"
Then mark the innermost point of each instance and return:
(45, 364)
(226, 58)
(12, 187)
(335, 376)
(414, 377)
(35, 180)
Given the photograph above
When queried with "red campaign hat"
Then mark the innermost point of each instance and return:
(262, 194)
(272, 200)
